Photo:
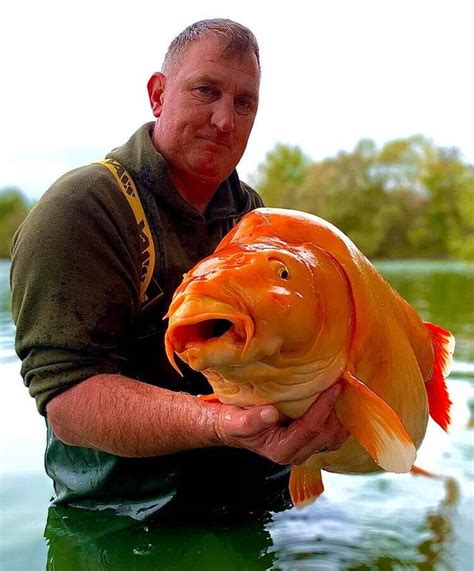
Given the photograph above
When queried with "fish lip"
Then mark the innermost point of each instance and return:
(191, 323)
(188, 309)
(197, 330)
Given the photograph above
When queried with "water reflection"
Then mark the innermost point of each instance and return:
(95, 541)
(326, 538)
(436, 550)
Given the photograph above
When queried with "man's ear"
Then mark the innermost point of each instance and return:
(156, 88)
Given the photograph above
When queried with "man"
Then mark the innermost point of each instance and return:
(123, 430)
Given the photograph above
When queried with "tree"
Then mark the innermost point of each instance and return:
(282, 173)
(407, 199)
(13, 210)
(343, 190)
(449, 217)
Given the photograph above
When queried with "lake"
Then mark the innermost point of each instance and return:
(377, 522)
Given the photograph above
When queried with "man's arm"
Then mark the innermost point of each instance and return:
(129, 418)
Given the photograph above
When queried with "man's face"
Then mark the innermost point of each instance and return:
(206, 112)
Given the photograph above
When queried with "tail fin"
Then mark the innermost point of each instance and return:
(438, 398)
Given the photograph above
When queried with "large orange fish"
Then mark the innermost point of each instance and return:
(285, 307)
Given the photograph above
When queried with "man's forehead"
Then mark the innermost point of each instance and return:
(217, 73)
(209, 53)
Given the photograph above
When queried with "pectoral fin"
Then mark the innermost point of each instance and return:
(306, 484)
(209, 398)
(375, 426)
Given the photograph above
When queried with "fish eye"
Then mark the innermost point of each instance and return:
(280, 269)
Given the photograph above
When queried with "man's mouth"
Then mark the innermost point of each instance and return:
(219, 142)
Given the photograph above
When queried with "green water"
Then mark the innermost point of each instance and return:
(379, 522)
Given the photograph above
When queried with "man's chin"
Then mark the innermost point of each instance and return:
(212, 172)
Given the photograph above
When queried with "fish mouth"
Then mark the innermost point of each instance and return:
(202, 331)
(205, 338)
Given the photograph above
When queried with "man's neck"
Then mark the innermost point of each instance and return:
(197, 193)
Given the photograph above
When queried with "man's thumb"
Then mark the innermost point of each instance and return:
(255, 419)
(269, 415)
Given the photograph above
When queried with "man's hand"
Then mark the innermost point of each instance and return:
(133, 419)
(260, 429)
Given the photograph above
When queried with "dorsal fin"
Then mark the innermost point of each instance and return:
(438, 398)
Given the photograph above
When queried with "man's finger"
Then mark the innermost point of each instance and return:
(306, 433)
(326, 439)
(339, 439)
(311, 423)
(324, 404)
(238, 422)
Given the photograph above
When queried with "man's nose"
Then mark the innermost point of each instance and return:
(223, 115)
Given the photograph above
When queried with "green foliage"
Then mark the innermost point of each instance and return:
(283, 172)
(407, 199)
(13, 209)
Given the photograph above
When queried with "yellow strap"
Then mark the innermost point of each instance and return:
(129, 190)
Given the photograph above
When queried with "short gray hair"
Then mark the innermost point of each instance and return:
(237, 39)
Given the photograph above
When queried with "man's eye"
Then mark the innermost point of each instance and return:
(243, 105)
(206, 91)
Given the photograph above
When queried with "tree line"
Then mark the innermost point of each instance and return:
(407, 199)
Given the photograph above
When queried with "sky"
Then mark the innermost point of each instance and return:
(73, 76)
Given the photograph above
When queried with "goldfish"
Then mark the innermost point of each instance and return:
(287, 306)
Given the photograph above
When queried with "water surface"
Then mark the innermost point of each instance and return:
(379, 522)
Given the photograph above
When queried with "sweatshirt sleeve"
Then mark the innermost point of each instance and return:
(75, 282)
